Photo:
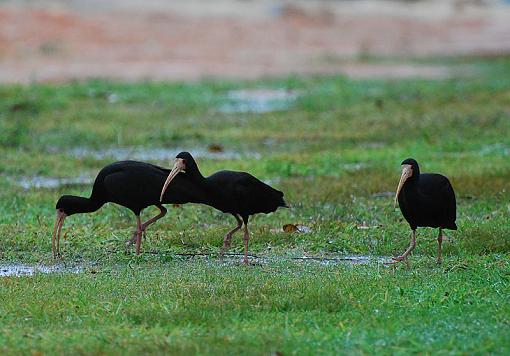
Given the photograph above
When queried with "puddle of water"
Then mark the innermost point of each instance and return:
(120, 154)
(384, 195)
(373, 145)
(17, 270)
(351, 260)
(492, 149)
(51, 182)
(365, 226)
(354, 166)
(258, 100)
(234, 258)
(272, 181)
(495, 148)
(155, 154)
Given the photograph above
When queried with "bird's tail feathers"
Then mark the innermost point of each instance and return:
(284, 204)
(452, 226)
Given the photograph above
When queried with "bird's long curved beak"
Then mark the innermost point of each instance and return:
(59, 221)
(407, 171)
(179, 166)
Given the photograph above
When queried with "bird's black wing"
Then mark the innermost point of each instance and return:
(255, 196)
(438, 189)
(450, 206)
(135, 185)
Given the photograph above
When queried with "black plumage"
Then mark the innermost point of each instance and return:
(425, 200)
(134, 185)
(236, 193)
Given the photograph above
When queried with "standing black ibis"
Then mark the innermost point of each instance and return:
(134, 185)
(236, 193)
(426, 200)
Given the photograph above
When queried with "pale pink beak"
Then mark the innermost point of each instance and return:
(407, 171)
(59, 221)
(179, 166)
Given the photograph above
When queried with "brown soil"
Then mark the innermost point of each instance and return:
(239, 39)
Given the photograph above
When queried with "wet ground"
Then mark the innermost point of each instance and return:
(155, 154)
(19, 269)
(54, 40)
(51, 182)
(496, 149)
(258, 100)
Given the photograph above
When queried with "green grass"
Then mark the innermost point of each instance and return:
(331, 152)
(195, 306)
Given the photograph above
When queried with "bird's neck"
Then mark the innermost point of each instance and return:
(196, 176)
(411, 183)
(201, 191)
(86, 205)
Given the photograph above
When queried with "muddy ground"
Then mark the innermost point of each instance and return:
(187, 40)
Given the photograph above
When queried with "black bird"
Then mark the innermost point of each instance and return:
(426, 200)
(236, 193)
(134, 185)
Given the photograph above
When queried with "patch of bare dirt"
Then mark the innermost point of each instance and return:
(188, 40)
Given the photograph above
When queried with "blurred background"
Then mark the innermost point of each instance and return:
(322, 100)
(58, 40)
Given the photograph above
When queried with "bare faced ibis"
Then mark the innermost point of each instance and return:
(134, 185)
(425, 200)
(236, 193)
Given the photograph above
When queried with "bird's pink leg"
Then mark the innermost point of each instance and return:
(58, 240)
(228, 236)
(439, 249)
(145, 225)
(162, 212)
(55, 240)
(246, 238)
(138, 234)
(407, 252)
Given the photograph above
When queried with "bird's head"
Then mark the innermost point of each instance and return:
(410, 169)
(186, 160)
(68, 204)
(184, 163)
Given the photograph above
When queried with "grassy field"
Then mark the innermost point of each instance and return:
(335, 151)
